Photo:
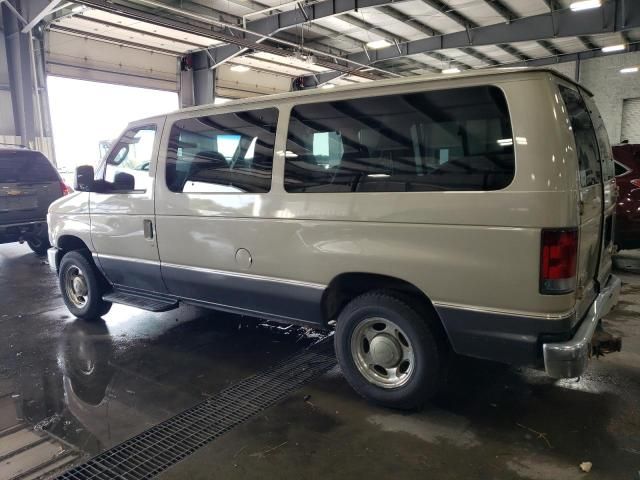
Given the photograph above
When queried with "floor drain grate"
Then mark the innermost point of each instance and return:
(154, 450)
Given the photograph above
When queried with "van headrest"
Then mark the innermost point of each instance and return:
(369, 138)
(210, 160)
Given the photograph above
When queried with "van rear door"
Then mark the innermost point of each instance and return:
(596, 186)
(590, 196)
(609, 189)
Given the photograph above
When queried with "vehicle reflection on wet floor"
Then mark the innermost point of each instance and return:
(95, 384)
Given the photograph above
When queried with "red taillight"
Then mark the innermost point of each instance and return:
(635, 182)
(558, 259)
(66, 189)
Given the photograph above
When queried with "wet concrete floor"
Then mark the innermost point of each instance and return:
(94, 385)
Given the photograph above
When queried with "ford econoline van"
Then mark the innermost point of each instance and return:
(468, 214)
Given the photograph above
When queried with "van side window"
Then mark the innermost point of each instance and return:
(225, 153)
(127, 167)
(585, 137)
(457, 139)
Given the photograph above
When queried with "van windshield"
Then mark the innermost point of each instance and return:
(18, 166)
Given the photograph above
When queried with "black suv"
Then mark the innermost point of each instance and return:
(29, 183)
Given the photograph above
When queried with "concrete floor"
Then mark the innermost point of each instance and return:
(95, 385)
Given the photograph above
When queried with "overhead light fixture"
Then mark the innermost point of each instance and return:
(630, 70)
(377, 44)
(328, 85)
(585, 5)
(240, 68)
(451, 70)
(78, 8)
(614, 48)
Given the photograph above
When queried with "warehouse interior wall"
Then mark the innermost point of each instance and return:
(611, 88)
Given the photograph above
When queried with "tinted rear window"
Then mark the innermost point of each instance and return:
(25, 166)
(457, 139)
(585, 137)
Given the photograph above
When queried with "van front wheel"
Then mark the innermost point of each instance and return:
(82, 287)
(387, 352)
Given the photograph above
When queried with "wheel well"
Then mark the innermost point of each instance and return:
(347, 286)
(68, 243)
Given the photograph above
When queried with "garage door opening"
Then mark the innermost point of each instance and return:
(86, 116)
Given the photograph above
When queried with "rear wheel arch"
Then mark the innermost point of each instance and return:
(347, 286)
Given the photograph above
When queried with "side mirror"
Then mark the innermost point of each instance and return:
(84, 178)
(124, 182)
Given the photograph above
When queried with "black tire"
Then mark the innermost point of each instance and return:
(39, 245)
(93, 306)
(426, 375)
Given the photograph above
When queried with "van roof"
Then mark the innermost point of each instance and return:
(379, 83)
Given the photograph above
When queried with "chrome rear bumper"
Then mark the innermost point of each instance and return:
(570, 359)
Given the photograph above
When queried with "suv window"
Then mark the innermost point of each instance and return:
(225, 153)
(620, 169)
(128, 164)
(17, 166)
(585, 137)
(458, 139)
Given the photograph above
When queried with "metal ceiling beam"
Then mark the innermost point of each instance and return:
(537, 62)
(509, 15)
(217, 30)
(391, 37)
(469, 24)
(46, 10)
(574, 57)
(273, 24)
(408, 20)
(424, 29)
(328, 32)
(610, 18)
(607, 19)
(587, 42)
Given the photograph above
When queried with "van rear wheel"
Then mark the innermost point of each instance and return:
(388, 353)
(82, 287)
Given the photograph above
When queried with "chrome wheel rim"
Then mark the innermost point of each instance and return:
(382, 353)
(75, 286)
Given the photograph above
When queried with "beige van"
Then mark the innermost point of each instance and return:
(470, 213)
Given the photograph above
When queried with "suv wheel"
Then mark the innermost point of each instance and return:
(39, 244)
(82, 287)
(388, 352)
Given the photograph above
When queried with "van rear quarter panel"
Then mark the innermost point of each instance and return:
(477, 250)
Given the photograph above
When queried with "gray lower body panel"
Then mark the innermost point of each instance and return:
(503, 338)
(294, 302)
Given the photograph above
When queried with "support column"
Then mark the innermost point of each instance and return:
(23, 55)
(203, 79)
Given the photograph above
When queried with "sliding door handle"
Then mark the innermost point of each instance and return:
(148, 229)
